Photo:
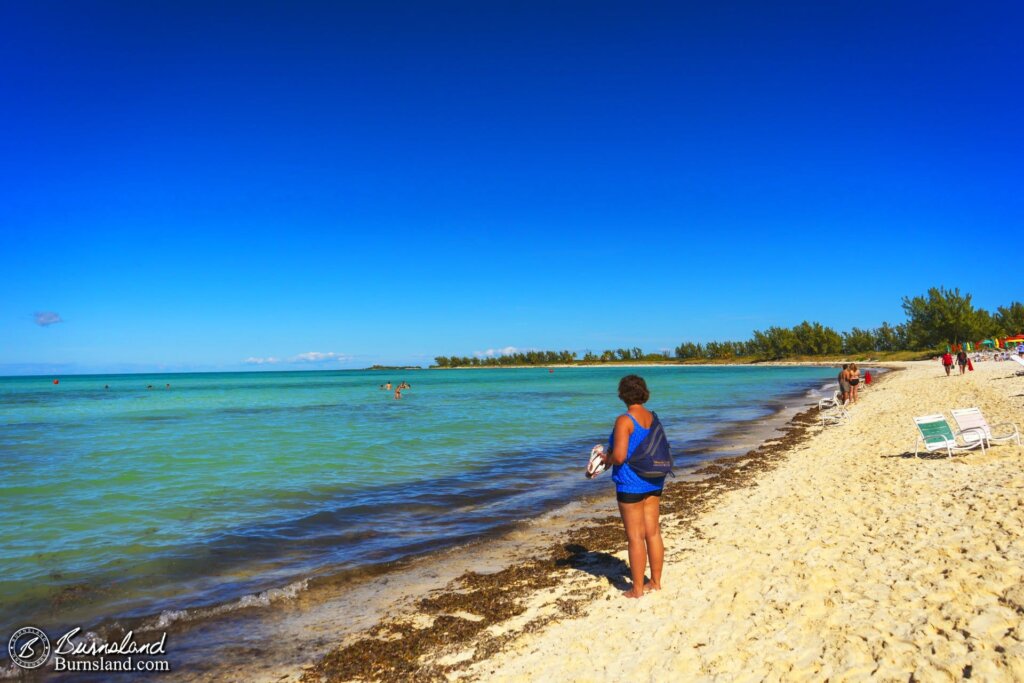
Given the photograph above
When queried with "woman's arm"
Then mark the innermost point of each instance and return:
(620, 441)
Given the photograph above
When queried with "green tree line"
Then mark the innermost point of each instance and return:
(934, 319)
(518, 358)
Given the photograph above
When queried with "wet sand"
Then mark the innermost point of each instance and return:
(823, 554)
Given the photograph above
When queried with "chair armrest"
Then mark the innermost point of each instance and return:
(981, 435)
(1010, 425)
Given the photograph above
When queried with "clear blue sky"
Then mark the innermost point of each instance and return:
(188, 185)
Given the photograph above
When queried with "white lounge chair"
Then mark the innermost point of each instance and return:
(833, 411)
(1020, 360)
(970, 421)
(830, 402)
(934, 434)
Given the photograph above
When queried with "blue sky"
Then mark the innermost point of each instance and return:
(191, 185)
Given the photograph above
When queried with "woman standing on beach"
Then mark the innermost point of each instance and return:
(961, 360)
(853, 377)
(639, 497)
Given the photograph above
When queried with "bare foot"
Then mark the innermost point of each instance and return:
(651, 586)
(631, 593)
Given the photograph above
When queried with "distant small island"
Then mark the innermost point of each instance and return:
(395, 367)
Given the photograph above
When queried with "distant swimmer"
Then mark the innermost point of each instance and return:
(167, 386)
(150, 386)
(398, 394)
(106, 386)
(388, 385)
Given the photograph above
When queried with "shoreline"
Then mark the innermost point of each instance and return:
(300, 598)
(216, 631)
(471, 606)
(684, 364)
(465, 612)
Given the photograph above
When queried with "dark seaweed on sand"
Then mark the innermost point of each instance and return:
(412, 647)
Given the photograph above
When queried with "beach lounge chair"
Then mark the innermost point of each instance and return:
(1020, 360)
(833, 411)
(830, 402)
(970, 421)
(934, 434)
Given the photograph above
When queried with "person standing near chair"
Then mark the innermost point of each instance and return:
(961, 360)
(844, 383)
(639, 498)
(853, 378)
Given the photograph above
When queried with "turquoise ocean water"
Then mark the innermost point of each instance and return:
(130, 501)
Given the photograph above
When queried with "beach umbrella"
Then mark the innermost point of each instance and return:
(987, 342)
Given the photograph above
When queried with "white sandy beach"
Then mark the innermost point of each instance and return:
(851, 561)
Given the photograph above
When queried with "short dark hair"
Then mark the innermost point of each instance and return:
(633, 389)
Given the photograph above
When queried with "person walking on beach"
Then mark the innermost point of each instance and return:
(961, 360)
(639, 497)
(947, 362)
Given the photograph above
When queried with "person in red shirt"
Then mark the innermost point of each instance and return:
(947, 362)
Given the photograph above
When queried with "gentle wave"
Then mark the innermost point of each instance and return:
(167, 618)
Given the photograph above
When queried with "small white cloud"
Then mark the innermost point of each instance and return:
(47, 318)
(308, 357)
(262, 361)
(507, 351)
(319, 357)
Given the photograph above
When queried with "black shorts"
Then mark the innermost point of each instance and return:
(635, 497)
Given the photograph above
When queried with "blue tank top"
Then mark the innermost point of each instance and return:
(626, 480)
